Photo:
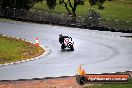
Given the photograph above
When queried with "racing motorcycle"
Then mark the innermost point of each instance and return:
(68, 43)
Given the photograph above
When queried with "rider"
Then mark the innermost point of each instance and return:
(61, 38)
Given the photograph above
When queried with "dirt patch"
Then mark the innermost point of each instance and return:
(68, 82)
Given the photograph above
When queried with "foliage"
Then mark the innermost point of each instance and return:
(51, 3)
(99, 3)
(19, 4)
(92, 18)
(71, 5)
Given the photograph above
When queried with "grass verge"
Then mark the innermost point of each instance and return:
(114, 10)
(12, 50)
(129, 85)
(6, 20)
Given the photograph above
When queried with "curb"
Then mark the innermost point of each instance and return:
(47, 51)
(37, 78)
(125, 37)
(118, 36)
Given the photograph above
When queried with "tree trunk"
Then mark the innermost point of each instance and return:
(74, 11)
(74, 8)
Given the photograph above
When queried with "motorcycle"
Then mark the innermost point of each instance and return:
(68, 43)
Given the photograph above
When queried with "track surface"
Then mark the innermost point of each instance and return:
(99, 52)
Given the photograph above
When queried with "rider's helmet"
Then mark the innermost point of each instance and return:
(60, 35)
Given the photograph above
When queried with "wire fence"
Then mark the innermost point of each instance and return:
(91, 21)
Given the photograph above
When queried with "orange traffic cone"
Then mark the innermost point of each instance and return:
(37, 43)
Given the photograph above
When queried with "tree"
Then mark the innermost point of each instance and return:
(99, 3)
(66, 3)
(51, 3)
(71, 5)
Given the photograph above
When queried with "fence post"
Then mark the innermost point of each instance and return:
(6, 12)
(14, 12)
(1, 1)
(0, 12)
(40, 15)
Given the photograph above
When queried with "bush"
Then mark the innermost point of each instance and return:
(92, 18)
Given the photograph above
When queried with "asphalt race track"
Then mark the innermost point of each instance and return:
(99, 52)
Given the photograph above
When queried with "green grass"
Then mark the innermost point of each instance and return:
(12, 49)
(82, 10)
(117, 10)
(6, 20)
(114, 10)
(111, 86)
